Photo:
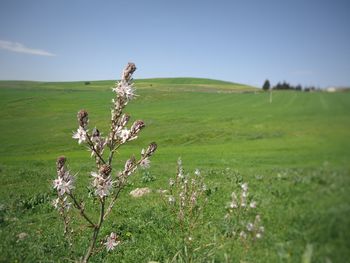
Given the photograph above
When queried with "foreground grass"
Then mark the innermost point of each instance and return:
(294, 153)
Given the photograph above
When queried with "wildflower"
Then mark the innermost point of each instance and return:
(244, 187)
(61, 203)
(95, 135)
(104, 188)
(125, 90)
(197, 172)
(145, 163)
(111, 241)
(56, 203)
(179, 162)
(80, 135)
(171, 199)
(102, 183)
(171, 182)
(129, 167)
(64, 183)
(233, 203)
(151, 149)
(250, 226)
(105, 169)
(137, 126)
(243, 234)
(124, 135)
(252, 204)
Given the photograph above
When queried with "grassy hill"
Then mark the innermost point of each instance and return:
(294, 152)
(165, 84)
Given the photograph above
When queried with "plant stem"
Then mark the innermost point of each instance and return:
(92, 147)
(82, 213)
(95, 233)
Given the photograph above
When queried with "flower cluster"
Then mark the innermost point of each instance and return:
(239, 210)
(102, 181)
(64, 183)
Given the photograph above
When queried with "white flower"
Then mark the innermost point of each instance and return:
(252, 204)
(57, 182)
(250, 227)
(125, 90)
(111, 242)
(66, 187)
(56, 202)
(171, 199)
(104, 188)
(261, 229)
(103, 185)
(171, 182)
(145, 163)
(124, 135)
(233, 205)
(258, 235)
(243, 235)
(244, 187)
(80, 135)
(64, 184)
(197, 172)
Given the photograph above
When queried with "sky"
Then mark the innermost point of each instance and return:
(303, 42)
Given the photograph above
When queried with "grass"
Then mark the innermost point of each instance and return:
(295, 154)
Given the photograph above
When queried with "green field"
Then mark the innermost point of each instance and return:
(294, 153)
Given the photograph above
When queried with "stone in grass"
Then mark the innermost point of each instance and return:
(21, 236)
(138, 192)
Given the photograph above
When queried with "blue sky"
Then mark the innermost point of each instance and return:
(246, 41)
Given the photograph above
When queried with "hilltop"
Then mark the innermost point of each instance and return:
(164, 84)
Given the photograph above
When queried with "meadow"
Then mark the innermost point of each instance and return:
(293, 152)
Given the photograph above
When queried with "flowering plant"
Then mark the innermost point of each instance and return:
(239, 218)
(106, 186)
(186, 199)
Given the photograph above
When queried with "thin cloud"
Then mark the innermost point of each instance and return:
(20, 48)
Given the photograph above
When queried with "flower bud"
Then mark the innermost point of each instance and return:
(151, 149)
(129, 164)
(124, 120)
(95, 132)
(83, 118)
(105, 170)
(137, 126)
(128, 71)
(60, 162)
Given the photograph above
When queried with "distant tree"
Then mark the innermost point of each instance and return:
(266, 85)
(298, 88)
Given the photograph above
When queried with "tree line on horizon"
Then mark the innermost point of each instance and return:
(286, 86)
